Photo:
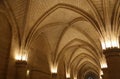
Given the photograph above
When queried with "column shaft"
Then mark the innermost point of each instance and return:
(113, 62)
(105, 73)
(54, 75)
(21, 69)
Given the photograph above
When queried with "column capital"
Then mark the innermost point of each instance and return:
(21, 69)
(104, 70)
(54, 75)
(112, 52)
(21, 62)
(105, 73)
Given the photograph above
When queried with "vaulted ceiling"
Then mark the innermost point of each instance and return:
(58, 33)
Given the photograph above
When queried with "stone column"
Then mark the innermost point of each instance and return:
(113, 61)
(54, 75)
(105, 73)
(21, 69)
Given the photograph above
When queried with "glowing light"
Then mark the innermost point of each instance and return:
(18, 57)
(109, 40)
(24, 58)
(101, 72)
(75, 77)
(104, 63)
(28, 72)
(108, 44)
(67, 75)
(54, 69)
(103, 45)
(100, 77)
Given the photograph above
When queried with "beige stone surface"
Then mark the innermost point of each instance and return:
(67, 34)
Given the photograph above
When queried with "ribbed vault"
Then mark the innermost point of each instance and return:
(65, 35)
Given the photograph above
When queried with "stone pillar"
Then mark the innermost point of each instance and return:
(113, 61)
(21, 69)
(54, 75)
(105, 73)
